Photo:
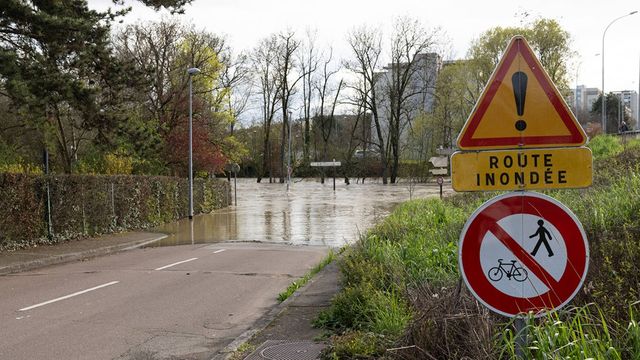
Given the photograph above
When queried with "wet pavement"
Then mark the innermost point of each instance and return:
(310, 213)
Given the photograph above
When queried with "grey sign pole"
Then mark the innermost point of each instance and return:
(48, 185)
(334, 176)
(521, 330)
(235, 168)
(191, 72)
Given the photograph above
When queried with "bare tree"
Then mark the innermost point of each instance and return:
(326, 117)
(410, 80)
(308, 59)
(355, 140)
(235, 79)
(263, 61)
(366, 46)
(287, 79)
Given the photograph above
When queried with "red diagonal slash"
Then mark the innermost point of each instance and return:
(523, 256)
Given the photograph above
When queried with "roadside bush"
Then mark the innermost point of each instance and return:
(573, 333)
(21, 210)
(356, 345)
(449, 324)
(603, 146)
(85, 205)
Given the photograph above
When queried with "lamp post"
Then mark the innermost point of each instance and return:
(289, 155)
(191, 72)
(575, 97)
(604, 97)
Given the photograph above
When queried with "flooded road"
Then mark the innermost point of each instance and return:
(309, 213)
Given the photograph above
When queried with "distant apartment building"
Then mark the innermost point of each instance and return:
(581, 101)
(582, 98)
(630, 101)
(421, 89)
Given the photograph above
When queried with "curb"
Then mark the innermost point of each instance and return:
(264, 321)
(70, 257)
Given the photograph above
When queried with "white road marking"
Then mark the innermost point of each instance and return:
(69, 296)
(147, 242)
(219, 251)
(174, 264)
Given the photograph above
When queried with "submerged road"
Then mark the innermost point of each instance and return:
(191, 295)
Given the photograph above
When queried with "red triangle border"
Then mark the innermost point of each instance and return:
(576, 136)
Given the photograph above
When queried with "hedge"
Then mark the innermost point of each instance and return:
(87, 205)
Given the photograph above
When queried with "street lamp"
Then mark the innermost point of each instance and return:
(191, 72)
(604, 100)
(289, 155)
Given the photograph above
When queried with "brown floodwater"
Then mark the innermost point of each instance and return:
(310, 213)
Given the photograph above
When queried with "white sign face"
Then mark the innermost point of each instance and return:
(326, 163)
(526, 284)
(439, 161)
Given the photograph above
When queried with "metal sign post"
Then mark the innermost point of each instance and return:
(235, 167)
(522, 252)
(440, 181)
(521, 332)
(334, 176)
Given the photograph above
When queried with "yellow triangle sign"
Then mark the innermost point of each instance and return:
(520, 108)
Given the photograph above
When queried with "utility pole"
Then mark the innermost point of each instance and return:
(191, 72)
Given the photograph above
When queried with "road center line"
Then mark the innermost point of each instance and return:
(69, 296)
(174, 264)
(219, 251)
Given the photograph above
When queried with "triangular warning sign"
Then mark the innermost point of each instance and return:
(520, 108)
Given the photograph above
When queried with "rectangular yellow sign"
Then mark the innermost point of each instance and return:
(523, 169)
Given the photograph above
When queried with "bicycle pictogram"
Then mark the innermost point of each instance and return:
(510, 269)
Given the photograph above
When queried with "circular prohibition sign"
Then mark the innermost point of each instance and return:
(523, 252)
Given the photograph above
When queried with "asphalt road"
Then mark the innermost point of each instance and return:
(184, 302)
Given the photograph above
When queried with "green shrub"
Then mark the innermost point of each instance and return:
(294, 286)
(22, 210)
(575, 333)
(356, 345)
(85, 205)
(603, 146)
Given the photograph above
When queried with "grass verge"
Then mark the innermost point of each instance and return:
(403, 297)
(305, 279)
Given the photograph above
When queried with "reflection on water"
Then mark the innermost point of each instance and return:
(310, 213)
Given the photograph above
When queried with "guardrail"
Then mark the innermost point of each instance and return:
(628, 135)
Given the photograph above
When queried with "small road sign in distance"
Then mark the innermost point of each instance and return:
(523, 252)
(326, 163)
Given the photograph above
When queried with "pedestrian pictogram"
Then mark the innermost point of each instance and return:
(542, 234)
(520, 108)
(522, 252)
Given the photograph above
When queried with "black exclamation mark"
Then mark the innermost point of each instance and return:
(519, 81)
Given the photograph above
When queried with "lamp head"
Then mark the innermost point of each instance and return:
(193, 71)
(633, 12)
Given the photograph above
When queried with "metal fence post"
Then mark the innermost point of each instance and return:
(48, 200)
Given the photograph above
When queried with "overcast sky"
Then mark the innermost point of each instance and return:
(244, 22)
